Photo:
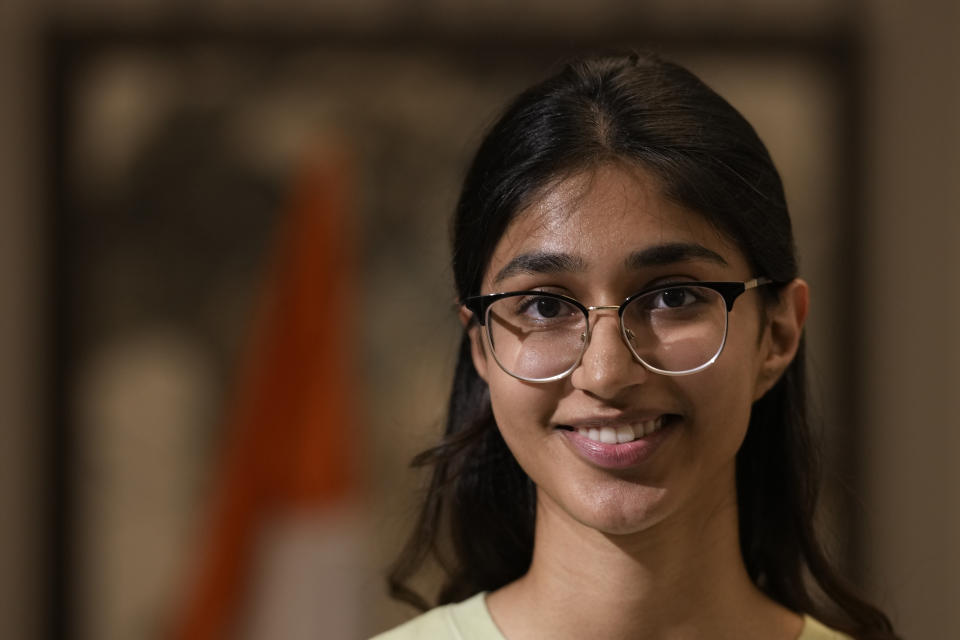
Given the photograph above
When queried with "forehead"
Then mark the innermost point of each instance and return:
(603, 214)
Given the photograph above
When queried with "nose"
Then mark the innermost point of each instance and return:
(607, 366)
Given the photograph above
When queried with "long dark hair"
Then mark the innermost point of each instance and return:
(477, 520)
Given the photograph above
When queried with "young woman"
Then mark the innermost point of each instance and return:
(627, 453)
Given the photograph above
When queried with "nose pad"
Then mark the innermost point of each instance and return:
(587, 336)
(616, 341)
(607, 363)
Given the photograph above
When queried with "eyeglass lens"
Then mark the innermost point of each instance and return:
(674, 330)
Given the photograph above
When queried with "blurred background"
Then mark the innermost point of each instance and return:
(227, 315)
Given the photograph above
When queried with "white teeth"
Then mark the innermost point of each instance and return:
(653, 425)
(623, 433)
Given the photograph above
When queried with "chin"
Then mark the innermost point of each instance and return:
(624, 523)
(618, 511)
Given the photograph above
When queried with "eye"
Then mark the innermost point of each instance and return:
(544, 307)
(537, 311)
(674, 298)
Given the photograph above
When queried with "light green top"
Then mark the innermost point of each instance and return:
(470, 620)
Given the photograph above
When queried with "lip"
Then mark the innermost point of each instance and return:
(617, 456)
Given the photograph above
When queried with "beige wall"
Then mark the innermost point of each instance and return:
(911, 345)
(911, 387)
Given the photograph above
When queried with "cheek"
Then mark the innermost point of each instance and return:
(522, 410)
(727, 410)
(725, 393)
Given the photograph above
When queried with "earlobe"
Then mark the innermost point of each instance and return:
(785, 322)
(475, 335)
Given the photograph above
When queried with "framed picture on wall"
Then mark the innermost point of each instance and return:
(179, 155)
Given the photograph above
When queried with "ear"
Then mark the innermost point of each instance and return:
(781, 336)
(475, 335)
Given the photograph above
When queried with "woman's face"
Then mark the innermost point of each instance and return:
(599, 228)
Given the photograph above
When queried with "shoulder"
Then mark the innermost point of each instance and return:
(813, 629)
(467, 620)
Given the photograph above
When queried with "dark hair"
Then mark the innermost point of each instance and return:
(478, 517)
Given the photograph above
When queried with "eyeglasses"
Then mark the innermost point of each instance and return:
(675, 329)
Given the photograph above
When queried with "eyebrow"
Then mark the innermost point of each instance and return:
(665, 254)
(541, 262)
(660, 255)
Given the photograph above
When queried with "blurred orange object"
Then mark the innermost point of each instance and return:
(291, 441)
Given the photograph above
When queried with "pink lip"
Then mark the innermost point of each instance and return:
(617, 456)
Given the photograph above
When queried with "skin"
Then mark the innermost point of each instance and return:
(650, 551)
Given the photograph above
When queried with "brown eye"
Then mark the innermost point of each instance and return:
(548, 307)
(674, 298)
(542, 310)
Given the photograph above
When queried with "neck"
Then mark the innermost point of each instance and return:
(683, 577)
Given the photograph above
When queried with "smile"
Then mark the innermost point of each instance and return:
(619, 445)
(623, 433)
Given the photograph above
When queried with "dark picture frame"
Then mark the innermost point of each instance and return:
(73, 49)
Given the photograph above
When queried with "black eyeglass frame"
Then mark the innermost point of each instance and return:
(729, 291)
